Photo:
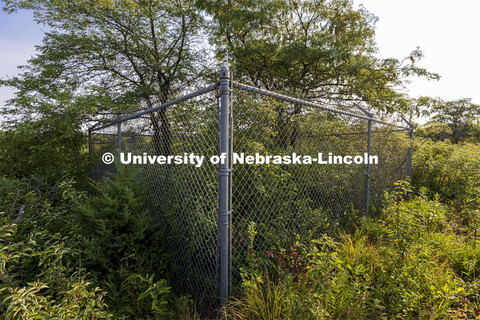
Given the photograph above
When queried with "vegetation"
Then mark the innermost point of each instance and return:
(325, 49)
(419, 259)
(62, 252)
(73, 248)
(454, 120)
(76, 255)
(100, 58)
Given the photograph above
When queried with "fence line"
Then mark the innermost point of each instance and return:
(211, 226)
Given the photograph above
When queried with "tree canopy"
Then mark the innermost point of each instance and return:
(108, 55)
(454, 120)
(324, 48)
(100, 57)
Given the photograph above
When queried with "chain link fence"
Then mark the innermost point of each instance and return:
(208, 212)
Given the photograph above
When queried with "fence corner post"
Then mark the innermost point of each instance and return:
(223, 186)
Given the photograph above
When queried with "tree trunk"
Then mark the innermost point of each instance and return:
(162, 139)
(297, 109)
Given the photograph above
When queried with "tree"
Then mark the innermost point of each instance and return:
(459, 115)
(323, 48)
(105, 57)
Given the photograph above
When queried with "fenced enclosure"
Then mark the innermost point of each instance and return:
(209, 212)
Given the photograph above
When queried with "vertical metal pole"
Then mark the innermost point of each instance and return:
(119, 136)
(217, 260)
(90, 144)
(369, 151)
(410, 153)
(223, 190)
(367, 181)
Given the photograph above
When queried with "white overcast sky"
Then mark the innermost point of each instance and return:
(447, 31)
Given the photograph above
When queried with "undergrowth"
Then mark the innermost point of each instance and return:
(420, 259)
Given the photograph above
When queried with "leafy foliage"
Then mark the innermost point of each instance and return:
(447, 169)
(114, 225)
(106, 57)
(41, 281)
(107, 54)
(411, 263)
(98, 254)
(50, 149)
(457, 117)
(325, 49)
(70, 255)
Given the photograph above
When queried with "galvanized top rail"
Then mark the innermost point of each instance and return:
(247, 88)
(310, 104)
(164, 105)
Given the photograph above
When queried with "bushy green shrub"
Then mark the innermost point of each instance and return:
(114, 227)
(78, 302)
(41, 281)
(451, 170)
(50, 148)
(69, 254)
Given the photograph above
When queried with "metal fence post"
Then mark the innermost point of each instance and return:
(367, 181)
(223, 190)
(369, 151)
(119, 136)
(90, 144)
(410, 151)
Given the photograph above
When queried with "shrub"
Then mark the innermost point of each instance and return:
(115, 228)
(50, 148)
(450, 170)
(39, 279)
(73, 255)
(78, 302)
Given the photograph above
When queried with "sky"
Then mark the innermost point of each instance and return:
(446, 31)
(18, 36)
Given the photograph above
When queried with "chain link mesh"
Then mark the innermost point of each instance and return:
(284, 203)
(183, 197)
(296, 202)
